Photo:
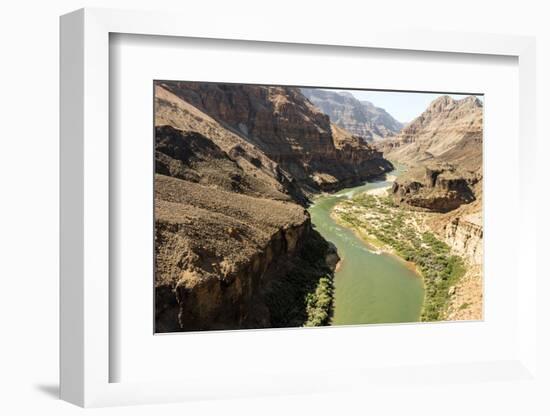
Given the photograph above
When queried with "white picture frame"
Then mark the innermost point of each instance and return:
(85, 354)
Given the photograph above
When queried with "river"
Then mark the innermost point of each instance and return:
(370, 287)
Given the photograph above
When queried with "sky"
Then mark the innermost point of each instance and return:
(403, 106)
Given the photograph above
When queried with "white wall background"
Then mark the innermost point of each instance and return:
(29, 205)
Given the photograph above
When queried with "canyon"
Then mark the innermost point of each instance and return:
(238, 243)
(235, 167)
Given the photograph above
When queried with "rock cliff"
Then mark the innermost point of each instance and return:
(464, 234)
(361, 118)
(218, 255)
(436, 187)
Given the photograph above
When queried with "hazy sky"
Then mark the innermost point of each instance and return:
(403, 106)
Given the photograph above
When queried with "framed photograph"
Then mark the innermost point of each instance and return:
(282, 212)
(392, 231)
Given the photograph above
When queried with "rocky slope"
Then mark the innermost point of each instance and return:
(234, 167)
(289, 130)
(449, 130)
(227, 160)
(361, 118)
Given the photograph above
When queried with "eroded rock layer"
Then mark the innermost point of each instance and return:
(437, 187)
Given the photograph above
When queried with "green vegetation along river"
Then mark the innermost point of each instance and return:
(370, 287)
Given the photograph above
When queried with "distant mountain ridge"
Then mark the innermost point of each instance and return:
(361, 118)
(447, 131)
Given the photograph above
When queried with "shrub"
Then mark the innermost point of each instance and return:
(319, 303)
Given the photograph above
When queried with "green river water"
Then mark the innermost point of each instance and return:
(370, 287)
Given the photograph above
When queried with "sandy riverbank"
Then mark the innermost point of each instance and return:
(382, 191)
(399, 232)
(373, 243)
